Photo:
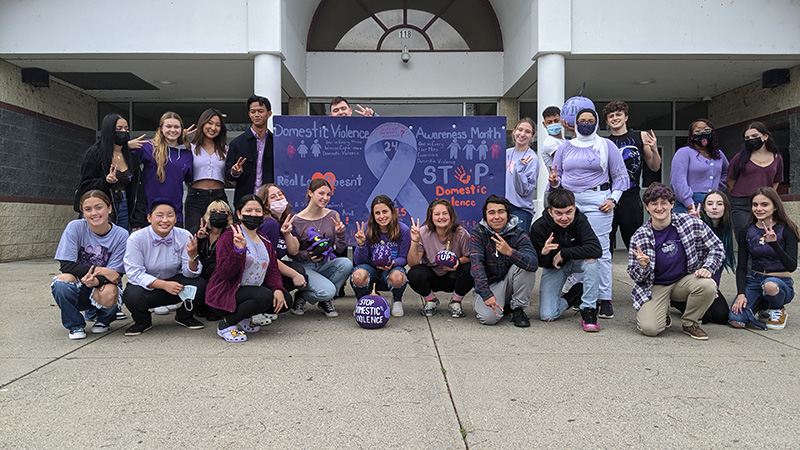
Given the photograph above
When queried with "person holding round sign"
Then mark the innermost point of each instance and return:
(380, 254)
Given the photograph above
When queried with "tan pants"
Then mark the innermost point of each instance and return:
(698, 293)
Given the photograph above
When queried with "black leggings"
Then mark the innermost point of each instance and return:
(423, 280)
(288, 284)
(250, 300)
(716, 313)
(628, 216)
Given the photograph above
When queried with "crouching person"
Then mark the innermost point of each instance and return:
(162, 262)
(566, 244)
(672, 256)
(503, 265)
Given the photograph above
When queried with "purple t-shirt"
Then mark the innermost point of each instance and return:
(177, 170)
(670, 256)
(762, 256)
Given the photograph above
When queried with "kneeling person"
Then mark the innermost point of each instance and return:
(503, 264)
(566, 244)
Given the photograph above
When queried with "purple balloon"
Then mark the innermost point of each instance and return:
(572, 106)
(372, 311)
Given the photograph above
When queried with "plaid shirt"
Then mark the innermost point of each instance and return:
(703, 250)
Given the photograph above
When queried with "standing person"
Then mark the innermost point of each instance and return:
(566, 244)
(320, 232)
(441, 232)
(555, 134)
(167, 163)
(592, 167)
(767, 258)
(503, 265)
(90, 252)
(672, 257)
(699, 167)
(522, 169)
(758, 164)
(250, 162)
(247, 281)
(341, 108)
(639, 150)
(161, 262)
(208, 169)
(109, 166)
(381, 252)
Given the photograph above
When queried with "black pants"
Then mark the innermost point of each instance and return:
(716, 313)
(288, 284)
(197, 201)
(250, 300)
(628, 216)
(423, 280)
(139, 300)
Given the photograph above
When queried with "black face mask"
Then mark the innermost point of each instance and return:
(252, 222)
(701, 139)
(121, 137)
(753, 144)
(218, 220)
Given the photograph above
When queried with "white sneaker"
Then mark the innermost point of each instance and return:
(161, 310)
(99, 328)
(397, 309)
(77, 333)
(173, 307)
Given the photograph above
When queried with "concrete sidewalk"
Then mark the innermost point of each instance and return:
(314, 382)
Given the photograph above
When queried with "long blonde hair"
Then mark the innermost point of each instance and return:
(160, 148)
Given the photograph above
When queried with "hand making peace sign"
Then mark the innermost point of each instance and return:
(286, 228)
(553, 178)
(549, 245)
(239, 240)
(769, 232)
(338, 224)
(360, 236)
(111, 178)
(236, 169)
(414, 230)
(643, 259)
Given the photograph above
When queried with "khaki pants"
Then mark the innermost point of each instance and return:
(698, 293)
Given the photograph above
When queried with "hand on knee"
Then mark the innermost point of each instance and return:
(67, 278)
(771, 288)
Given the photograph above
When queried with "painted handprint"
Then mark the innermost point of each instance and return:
(462, 175)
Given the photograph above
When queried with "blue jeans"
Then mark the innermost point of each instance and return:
(380, 278)
(121, 210)
(758, 299)
(525, 218)
(325, 279)
(551, 305)
(697, 198)
(72, 298)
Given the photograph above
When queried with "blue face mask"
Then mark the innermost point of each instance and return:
(554, 129)
(585, 129)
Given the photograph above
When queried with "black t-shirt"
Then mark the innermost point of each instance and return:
(631, 146)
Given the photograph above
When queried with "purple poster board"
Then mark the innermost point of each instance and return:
(413, 160)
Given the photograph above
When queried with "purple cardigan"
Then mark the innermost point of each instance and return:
(224, 282)
(692, 173)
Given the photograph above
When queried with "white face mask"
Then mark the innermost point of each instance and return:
(279, 206)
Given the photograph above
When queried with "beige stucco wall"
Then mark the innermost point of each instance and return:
(509, 107)
(751, 100)
(31, 230)
(59, 100)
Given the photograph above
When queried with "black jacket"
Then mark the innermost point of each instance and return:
(577, 241)
(93, 176)
(244, 146)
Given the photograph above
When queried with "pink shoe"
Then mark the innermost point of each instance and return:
(589, 320)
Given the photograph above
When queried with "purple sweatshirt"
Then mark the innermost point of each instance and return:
(579, 169)
(691, 172)
(177, 171)
(363, 255)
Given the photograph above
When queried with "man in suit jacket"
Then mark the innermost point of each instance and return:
(249, 163)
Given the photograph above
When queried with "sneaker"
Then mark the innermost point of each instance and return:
(77, 333)
(161, 310)
(190, 323)
(397, 309)
(695, 332)
(606, 310)
(138, 328)
(299, 307)
(120, 315)
(777, 319)
(328, 309)
(232, 334)
(429, 309)
(764, 314)
(260, 320)
(573, 296)
(589, 320)
(455, 310)
(520, 318)
(669, 320)
(173, 307)
(248, 326)
(99, 328)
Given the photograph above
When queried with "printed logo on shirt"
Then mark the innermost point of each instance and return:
(669, 248)
(94, 256)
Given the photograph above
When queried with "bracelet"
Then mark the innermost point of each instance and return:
(416, 242)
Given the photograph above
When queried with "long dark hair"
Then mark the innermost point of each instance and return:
(713, 140)
(779, 215)
(724, 230)
(744, 154)
(263, 194)
(219, 141)
(104, 145)
(454, 224)
(374, 230)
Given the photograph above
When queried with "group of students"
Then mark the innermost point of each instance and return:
(232, 267)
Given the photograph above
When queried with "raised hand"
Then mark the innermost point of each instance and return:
(769, 232)
(89, 279)
(414, 230)
(643, 259)
(366, 112)
(501, 245)
(189, 131)
(461, 175)
(650, 140)
(549, 245)
(111, 178)
(527, 159)
(191, 247)
(338, 224)
(137, 143)
(239, 240)
(236, 169)
(360, 236)
(694, 210)
(202, 232)
(553, 178)
(286, 228)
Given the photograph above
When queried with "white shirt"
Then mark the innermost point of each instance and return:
(146, 263)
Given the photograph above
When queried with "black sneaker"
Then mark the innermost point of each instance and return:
(573, 296)
(190, 323)
(606, 310)
(138, 328)
(520, 318)
(429, 308)
(589, 320)
(328, 309)
(299, 307)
